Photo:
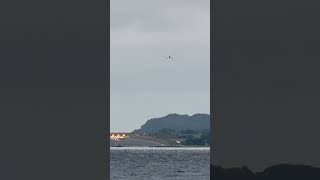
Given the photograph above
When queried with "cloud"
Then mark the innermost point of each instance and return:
(141, 35)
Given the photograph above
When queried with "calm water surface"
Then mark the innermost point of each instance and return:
(156, 163)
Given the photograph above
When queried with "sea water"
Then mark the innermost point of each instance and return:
(159, 163)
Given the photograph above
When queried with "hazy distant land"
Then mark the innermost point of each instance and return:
(172, 130)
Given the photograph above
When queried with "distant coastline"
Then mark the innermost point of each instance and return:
(173, 130)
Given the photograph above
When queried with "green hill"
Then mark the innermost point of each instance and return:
(175, 129)
(196, 122)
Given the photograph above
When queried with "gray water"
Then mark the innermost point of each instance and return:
(147, 163)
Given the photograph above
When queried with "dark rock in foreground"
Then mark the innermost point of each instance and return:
(278, 172)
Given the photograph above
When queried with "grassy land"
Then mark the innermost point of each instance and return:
(171, 137)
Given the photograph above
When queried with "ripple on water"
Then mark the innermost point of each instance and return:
(160, 163)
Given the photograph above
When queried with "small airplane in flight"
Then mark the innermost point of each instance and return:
(169, 57)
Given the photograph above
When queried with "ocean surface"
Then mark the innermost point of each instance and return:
(159, 163)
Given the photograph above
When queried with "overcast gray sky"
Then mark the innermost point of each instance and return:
(143, 83)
